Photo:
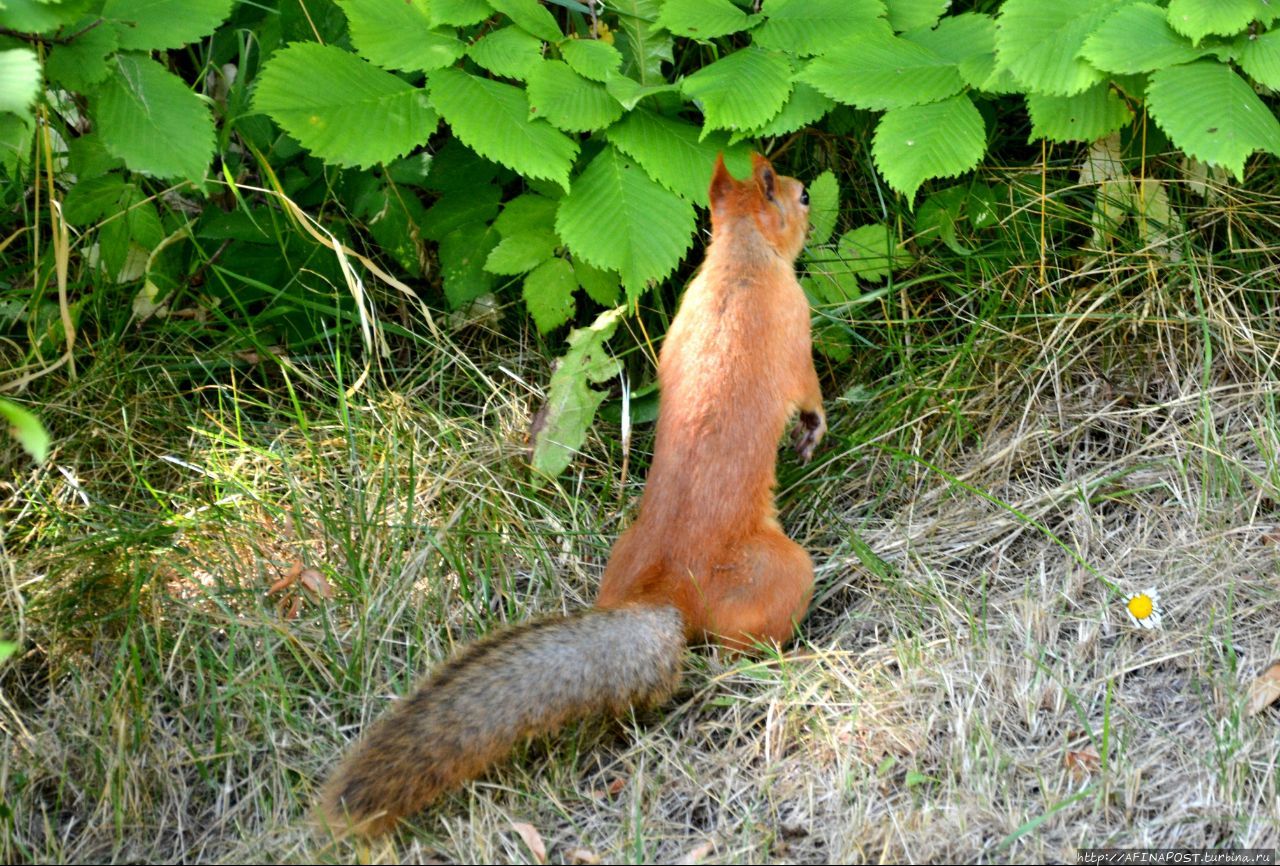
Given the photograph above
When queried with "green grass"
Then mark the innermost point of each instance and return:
(1007, 456)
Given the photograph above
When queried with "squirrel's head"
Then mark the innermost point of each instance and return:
(778, 205)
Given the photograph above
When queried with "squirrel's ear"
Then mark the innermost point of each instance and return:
(722, 185)
(765, 177)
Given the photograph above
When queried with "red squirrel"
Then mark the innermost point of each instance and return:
(704, 560)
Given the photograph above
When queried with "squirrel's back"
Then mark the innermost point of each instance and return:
(530, 679)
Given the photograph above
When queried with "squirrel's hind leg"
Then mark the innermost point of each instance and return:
(764, 594)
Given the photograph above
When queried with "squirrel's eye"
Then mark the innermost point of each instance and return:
(804, 197)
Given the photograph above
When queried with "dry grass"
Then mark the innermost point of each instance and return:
(966, 688)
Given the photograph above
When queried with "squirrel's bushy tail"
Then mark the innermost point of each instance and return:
(527, 680)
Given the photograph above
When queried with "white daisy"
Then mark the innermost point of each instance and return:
(1144, 608)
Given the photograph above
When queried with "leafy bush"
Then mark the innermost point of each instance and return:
(563, 147)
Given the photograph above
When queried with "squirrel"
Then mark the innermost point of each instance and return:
(705, 559)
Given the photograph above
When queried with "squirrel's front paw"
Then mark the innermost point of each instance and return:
(807, 433)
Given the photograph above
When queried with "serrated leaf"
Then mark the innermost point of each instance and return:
(19, 80)
(1137, 38)
(518, 253)
(509, 52)
(548, 293)
(149, 25)
(824, 207)
(1199, 18)
(804, 107)
(38, 16)
(807, 27)
(617, 217)
(571, 402)
(644, 46)
(147, 117)
(591, 58)
(918, 142)
(884, 71)
(27, 429)
(1039, 43)
(629, 92)
(914, 14)
(492, 119)
(744, 90)
(399, 35)
(968, 40)
(1260, 57)
(703, 19)
(343, 109)
(92, 198)
(1086, 116)
(459, 208)
(462, 257)
(526, 213)
(673, 152)
(600, 285)
(531, 16)
(872, 252)
(567, 100)
(458, 13)
(1212, 114)
(82, 62)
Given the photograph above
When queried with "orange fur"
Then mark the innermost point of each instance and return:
(705, 559)
(735, 365)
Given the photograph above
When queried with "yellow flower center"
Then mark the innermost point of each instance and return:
(1140, 606)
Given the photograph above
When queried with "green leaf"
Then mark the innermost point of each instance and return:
(548, 293)
(93, 198)
(571, 405)
(1040, 43)
(741, 91)
(343, 109)
(16, 136)
(1260, 57)
(872, 252)
(518, 253)
(703, 19)
(805, 106)
(492, 119)
(824, 207)
(27, 429)
(399, 36)
(806, 27)
(525, 214)
(569, 101)
(591, 58)
(884, 71)
(150, 25)
(673, 152)
(617, 217)
(147, 117)
(82, 62)
(918, 142)
(7, 648)
(462, 208)
(628, 92)
(1212, 114)
(532, 16)
(19, 80)
(967, 40)
(1199, 18)
(509, 52)
(1137, 38)
(38, 16)
(601, 286)
(459, 13)
(914, 14)
(462, 256)
(1086, 116)
(644, 46)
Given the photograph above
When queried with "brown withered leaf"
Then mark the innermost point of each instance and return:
(1264, 690)
(583, 856)
(315, 582)
(532, 838)
(698, 854)
(288, 579)
(1082, 763)
(1271, 536)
